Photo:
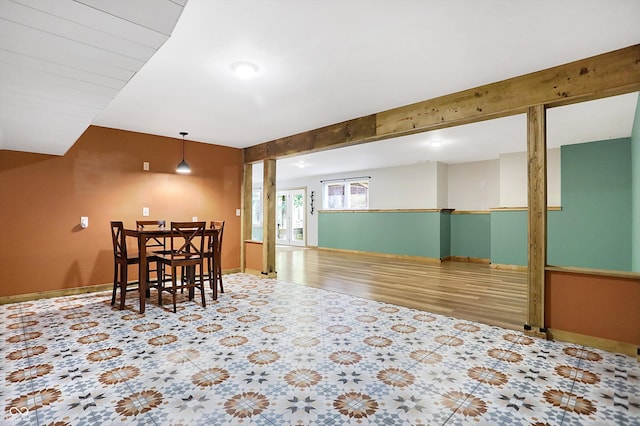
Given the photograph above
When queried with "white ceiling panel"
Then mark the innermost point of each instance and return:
(45, 67)
(28, 41)
(109, 23)
(62, 62)
(54, 26)
(157, 15)
(69, 55)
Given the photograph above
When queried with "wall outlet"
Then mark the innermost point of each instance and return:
(237, 212)
(194, 219)
(84, 222)
(145, 166)
(145, 211)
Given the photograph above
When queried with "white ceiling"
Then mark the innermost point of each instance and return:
(67, 64)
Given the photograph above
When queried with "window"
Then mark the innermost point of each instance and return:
(256, 214)
(346, 195)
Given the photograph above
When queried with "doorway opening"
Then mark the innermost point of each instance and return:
(290, 217)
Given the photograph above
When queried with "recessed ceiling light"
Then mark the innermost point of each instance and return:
(244, 70)
(435, 143)
(301, 164)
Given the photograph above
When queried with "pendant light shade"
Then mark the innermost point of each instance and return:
(183, 167)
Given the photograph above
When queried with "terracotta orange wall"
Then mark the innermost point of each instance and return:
(43, 197)
(593, 305)
(253, 255)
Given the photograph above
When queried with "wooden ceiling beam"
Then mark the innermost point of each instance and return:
(600, 76)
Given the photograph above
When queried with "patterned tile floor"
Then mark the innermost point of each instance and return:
(273, 353)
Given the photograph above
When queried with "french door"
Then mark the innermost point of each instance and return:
(290, 217)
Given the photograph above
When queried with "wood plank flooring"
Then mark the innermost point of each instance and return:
(463, 290)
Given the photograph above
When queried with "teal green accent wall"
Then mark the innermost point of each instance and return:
(509, 244)
(445, 234)
(256, 233)
(405, 233)
(593, 230)
(635, 191)
(471, 235)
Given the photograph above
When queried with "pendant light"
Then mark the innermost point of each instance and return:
(183, 167)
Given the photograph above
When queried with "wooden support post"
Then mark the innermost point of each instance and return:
(247, 213)
(269, 219)
(537, 196)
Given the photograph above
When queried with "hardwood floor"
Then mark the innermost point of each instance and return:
(463, 290)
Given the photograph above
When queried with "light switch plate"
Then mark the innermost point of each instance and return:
(84, 222)
(145, 211)
(145, 166)
(237, 212)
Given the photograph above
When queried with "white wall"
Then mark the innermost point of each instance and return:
(474, 186)
(443, 186)
(404, 187)
(479, 185)
(513, 179)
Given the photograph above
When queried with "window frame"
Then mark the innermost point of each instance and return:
(347, 194)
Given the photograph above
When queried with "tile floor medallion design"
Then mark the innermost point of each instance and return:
(274, 353)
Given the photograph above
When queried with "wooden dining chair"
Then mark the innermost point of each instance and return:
(121, 261)
(155, 246)
(187, 257)
(214, 257)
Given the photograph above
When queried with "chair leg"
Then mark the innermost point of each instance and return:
(115, 284)
(219, 274)
(160, 285)
(174, 289)
(201, 286)
(123, 285)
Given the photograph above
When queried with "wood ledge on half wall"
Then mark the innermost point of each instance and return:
(452, 211)
(388, 211)
(589, 271)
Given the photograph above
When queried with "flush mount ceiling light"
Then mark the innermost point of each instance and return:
(244, 70)
(183, 167)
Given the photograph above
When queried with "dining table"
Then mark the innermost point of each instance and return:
(143, 236)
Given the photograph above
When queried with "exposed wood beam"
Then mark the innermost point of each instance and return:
(537, 200)
(609, 74)
(269, 219)
(350, 132)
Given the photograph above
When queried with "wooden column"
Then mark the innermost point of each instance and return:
(247, 213)
(537, 196)
(269, 219)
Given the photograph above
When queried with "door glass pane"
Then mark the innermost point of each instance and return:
(282, 217)
(297, 215)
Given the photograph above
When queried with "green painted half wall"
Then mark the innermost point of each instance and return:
(471, 235)
(509, 237)
(404, 233)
